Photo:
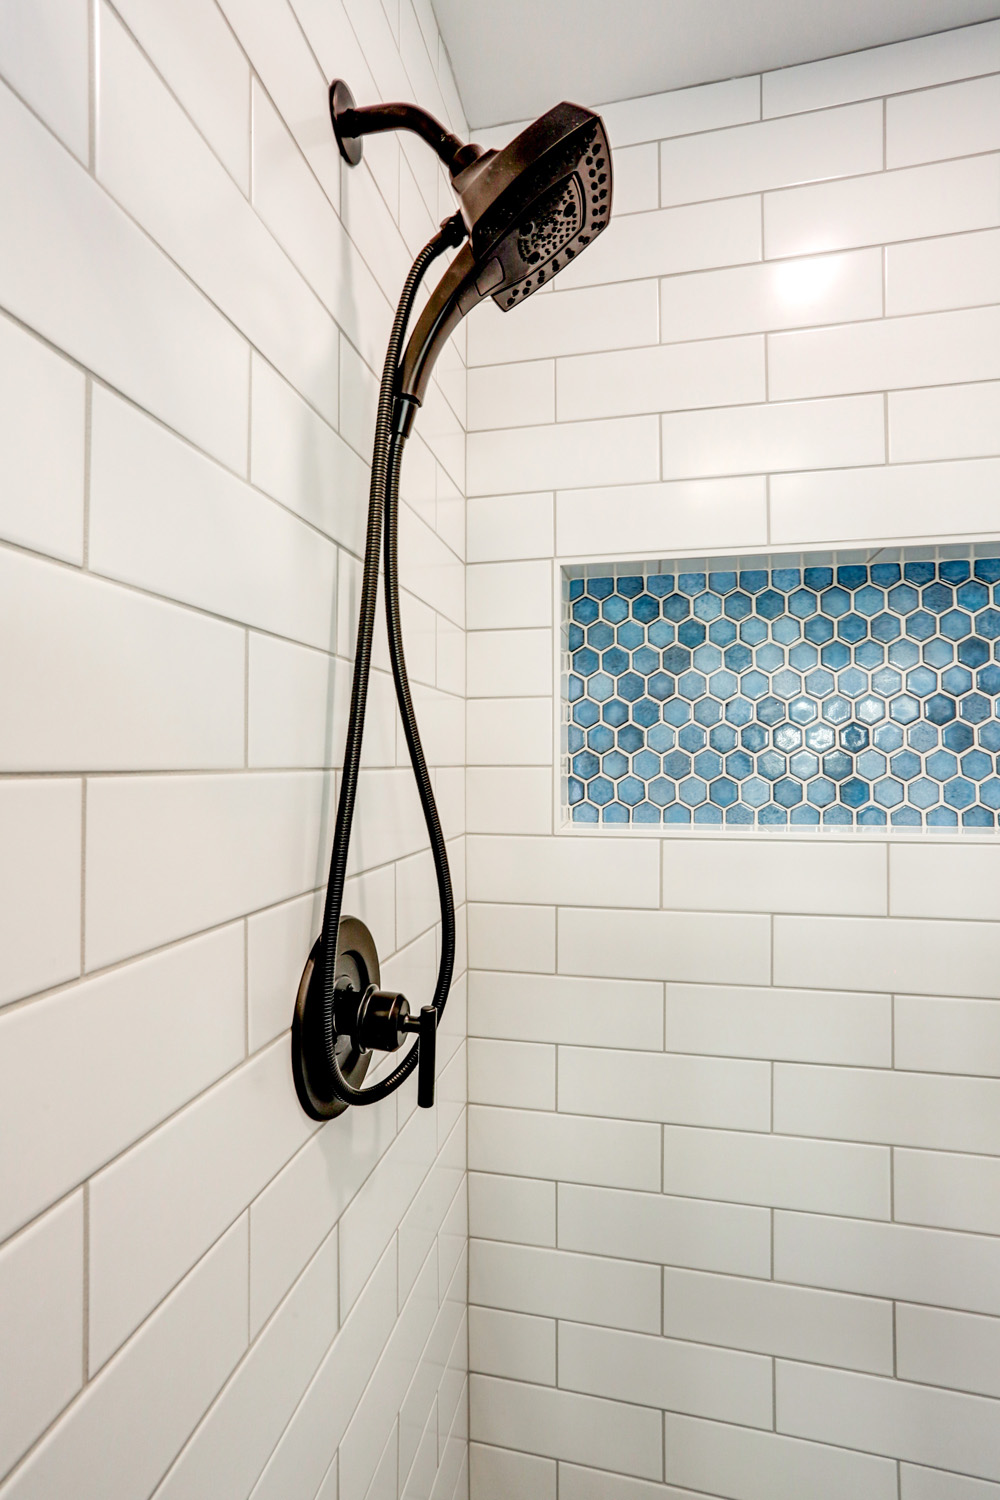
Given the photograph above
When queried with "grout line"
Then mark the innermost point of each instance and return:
(92, 85)
(84, 783)
(88, 427)
(86, 1284)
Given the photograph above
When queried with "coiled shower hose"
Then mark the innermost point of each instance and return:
(383, 506)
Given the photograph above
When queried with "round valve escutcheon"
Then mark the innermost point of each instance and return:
(366, 1018)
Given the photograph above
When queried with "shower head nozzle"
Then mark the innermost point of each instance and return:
(528, 209)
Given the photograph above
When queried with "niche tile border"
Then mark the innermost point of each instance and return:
(839, 691)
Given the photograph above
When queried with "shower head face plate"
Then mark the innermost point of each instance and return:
(533, 207)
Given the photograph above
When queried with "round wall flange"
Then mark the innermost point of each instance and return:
(341, 101)
(357, 969)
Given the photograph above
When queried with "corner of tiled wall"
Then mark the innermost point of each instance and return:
(734, 1101)
(200, 1291)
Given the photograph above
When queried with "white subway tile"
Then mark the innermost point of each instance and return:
(748, 1465)
(606, 1153)
(231, 1445)
(888, 1260)
(772, 154)
(154, 162)
(959, 421)
(135, 685)
(779, 1171)
(41, 1325)
(150, 493)
(509, 663)
(621, 316)
(258, 840)
(844, 431)
(509, 799)
(297, 701)
(791, 1025)
(117, 1440)
(885, 353)
(42, 436)
(719, 1383)
(156, 1209)
(559, 1424)
(908, 204)
(708, 106)
(375, 1416)
(889, 1416)
(959, 120)
(123, 310)
(296, 1211)
(642, 518)
(299, 459)
(557, 1284)
(289, 200)
(681, 1090)
(509, 731)
(620, 450)
(795, 1323)
(576, 1483)
(667, 377)
(946, 1191)
(924, 958)
(947, 1036)
(510, 527)
(935, 1484)
(904, 1109)
(637, 179)
(520, 938)
(44, 55)
(517, 1074)
(594, 872)
(301, 1458)
(726, 1237)
(40, 880)
(96, 1102)
(957, 271)
(505, 595)
(692, 238)
(498, 1473)
(279, 941)
(512, 1208)
(370, 1221)
(197, 54)
(512, 395)
(512, 1345)
(556, 1008)
(948, 1348)
(756, 299)
(893, 500)
(285, 64)
(734, 876)
(947, 881)
(891, 69)
(665, 945)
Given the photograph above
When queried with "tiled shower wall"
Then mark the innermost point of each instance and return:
(735, 1120)
(201, 1293)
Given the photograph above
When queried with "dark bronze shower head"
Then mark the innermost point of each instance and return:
(529, 210)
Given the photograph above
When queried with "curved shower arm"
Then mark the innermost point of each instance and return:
(350, 123)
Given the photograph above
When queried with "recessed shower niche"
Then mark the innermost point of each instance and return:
(831, 690)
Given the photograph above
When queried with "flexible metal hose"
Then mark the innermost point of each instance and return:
(383, 502)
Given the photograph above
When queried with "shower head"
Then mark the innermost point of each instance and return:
(528, 210)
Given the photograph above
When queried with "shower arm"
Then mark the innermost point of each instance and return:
(351, 123)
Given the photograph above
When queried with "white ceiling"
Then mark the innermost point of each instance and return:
(515, 58)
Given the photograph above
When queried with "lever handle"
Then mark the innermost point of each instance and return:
(426, 1056)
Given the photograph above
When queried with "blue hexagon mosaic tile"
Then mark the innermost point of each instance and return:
(855, 695)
